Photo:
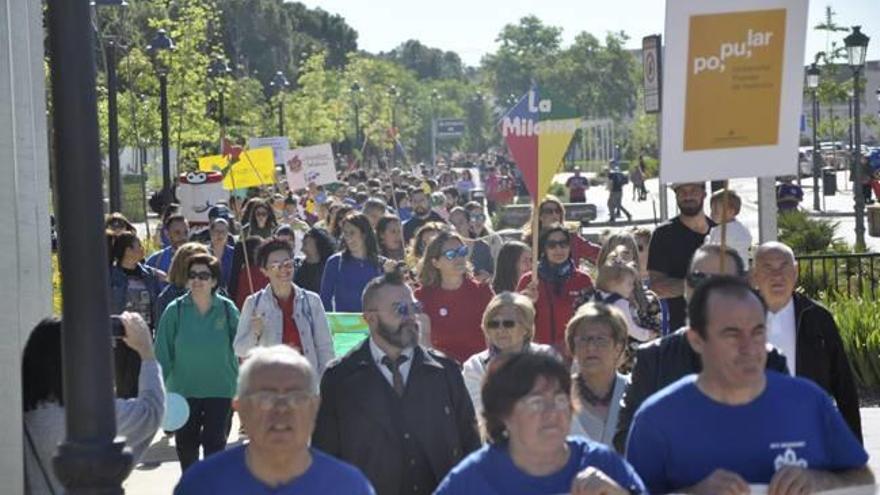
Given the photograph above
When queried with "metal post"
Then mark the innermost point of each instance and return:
(433, 140)
(850, 123)
(91, 460)
(280, 113)
(767, 210)
(816, 168)
(357, 126)
(393, 133)
(166, 150)
(222, 110)
(114, 188)
(857, 169)
(663, 191)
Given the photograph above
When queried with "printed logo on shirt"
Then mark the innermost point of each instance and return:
(789, 457)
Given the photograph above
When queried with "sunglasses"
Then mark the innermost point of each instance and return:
(281, 264)
(557, 244)
(261, 213)
(550, 211)
(459, 252)
(204, 276)
(478, 217)
(496, 324)
(405, 309)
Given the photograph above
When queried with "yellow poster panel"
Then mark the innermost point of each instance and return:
(552, 145)
(734, 79)
(253, 168)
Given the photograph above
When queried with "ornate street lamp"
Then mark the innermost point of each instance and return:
(393, 93)
(114, 186)
(435, 95)
(218, 71)
(813, 73)
(160, 49)
(856, 49)
(355, 101)
(277, 86)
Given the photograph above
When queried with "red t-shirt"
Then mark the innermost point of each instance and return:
(456, 317)
(290, 334)
(244, 288)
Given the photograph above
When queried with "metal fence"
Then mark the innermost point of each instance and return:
(843, 274)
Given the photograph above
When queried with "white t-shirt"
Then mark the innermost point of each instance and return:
(782, 333)
(738, 238)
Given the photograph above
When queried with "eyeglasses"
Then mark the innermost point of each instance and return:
(536, 404)
(478, 217)
(405, 309)
(277, 265)
(261, 213)
(266, 400)
(205, 276)
(597, 341)
(459, 252)
(496, 324)
(557, 244)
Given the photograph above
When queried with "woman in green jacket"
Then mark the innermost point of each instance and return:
(194, 347)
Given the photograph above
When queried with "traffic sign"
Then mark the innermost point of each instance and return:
(450, 128)
(651, 64)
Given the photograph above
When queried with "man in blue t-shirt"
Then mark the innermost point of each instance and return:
(734, 423)
(277, 401)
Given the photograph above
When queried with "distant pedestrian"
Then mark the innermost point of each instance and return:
(788, 195)
(577, 187)
(616, 181)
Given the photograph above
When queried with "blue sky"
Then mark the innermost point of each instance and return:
(469, 27)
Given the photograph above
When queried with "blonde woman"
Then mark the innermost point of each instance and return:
(508, 325)
(596, 337)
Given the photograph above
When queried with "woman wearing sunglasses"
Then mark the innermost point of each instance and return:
(194, 347)
(551, 211)
(508, 326)
(481, 230)
(453, 300)
(559, 286)
(260, 217)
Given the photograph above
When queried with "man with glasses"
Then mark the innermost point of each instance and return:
(804, 330)
(422, 214)
(731, 426)
(672, 245)
(663, 361)
(277, 401)
(398, 411)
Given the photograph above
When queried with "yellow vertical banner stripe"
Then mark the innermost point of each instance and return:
(552, 145)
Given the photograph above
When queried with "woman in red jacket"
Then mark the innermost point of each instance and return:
(452, 298)
(560, 287)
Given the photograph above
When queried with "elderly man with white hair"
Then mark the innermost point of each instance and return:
(804, 330)
(277, 400)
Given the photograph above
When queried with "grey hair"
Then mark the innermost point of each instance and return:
(276, 355)
(775, 246)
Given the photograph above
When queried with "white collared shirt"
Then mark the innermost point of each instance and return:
(782, 333)
(378, 354)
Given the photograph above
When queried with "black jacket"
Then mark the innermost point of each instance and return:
(822, 359)
(661, 363)
(355, 422)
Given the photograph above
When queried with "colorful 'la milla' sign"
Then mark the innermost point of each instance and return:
(538, 134)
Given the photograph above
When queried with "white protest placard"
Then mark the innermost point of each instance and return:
(311, 164)
(279, 145)
(732, 88)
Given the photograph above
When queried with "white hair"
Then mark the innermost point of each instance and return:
(776, 247)
(276, 355)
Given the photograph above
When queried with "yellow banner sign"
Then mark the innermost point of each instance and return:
(253, 168)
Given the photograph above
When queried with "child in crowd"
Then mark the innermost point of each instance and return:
(738, 236)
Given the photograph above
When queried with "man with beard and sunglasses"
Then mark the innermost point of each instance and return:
(394, 409)
(674, 243)
(421, 214)
(663, 361)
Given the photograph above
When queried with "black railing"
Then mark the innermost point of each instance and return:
(842, 274)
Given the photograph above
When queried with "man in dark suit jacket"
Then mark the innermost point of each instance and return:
(399, 412)
(805, 331)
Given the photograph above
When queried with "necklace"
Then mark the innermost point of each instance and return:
(589, 397)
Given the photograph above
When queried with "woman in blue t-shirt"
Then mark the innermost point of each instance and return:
(347, 273)
(527, 416)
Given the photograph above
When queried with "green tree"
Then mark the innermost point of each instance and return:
(426, 62)
(525, 48)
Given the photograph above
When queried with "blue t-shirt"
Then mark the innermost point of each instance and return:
(491, 470)
(343, 282)
(226, 472)
(680, 436)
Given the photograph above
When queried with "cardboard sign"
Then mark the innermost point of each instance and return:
(310, 165)
(279, 145)
(253, 168)
(733, 82)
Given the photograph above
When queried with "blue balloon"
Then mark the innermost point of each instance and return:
(176, 412)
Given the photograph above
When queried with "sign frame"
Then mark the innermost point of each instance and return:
(765, 160)
(652, 65)
(442, 123)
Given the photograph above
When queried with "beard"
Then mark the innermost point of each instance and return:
(421, 211)
(691, 208)
(404, 335)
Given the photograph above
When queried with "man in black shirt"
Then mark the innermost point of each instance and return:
(422, 214)
(672, 246)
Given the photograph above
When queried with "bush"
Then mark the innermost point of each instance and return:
(132, 198)
(559, 191)
(807, 235)
(652, 167)
(860, 331)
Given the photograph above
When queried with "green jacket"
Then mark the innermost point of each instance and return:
(195, 350)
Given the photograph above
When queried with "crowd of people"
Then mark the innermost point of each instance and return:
(636, 362)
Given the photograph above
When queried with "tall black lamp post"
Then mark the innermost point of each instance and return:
(356, 103)
(813, 85)
(91, 459)
(159, 49)
(114, 187)
(856, 49)
(435, 96)
(393, 93)
(218, 71)
(277, 86)
(478, 111)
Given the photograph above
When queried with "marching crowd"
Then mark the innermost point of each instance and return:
(644, 362)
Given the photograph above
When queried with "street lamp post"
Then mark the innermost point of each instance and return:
(277, 85)
(91, 459)
(850, 94)
(393, 93)
(218, 71)
(163, 43)
(813, 85)
(856, 49)
(355, 101)
(435, 95)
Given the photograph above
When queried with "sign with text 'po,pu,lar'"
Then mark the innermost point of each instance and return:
(733, 80)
